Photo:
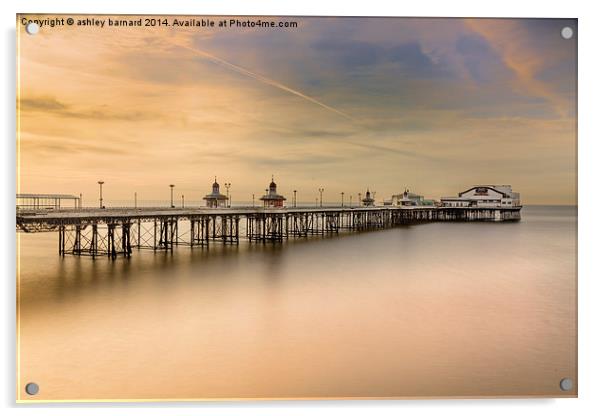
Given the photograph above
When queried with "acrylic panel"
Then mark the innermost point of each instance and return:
(262, 207)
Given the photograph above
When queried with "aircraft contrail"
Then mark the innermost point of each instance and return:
(263, 79)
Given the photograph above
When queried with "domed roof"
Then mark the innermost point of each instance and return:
(272, 184)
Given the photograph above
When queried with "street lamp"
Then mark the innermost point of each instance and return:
(295, 198)
(342, 199)
(253, 200)
(359, 199)
(172, 186)
(321, 190)
(228, 185)
(135, 199)
(100, 183)
(182, 200)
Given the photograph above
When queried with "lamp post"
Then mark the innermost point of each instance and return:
(182, 200)
(135, 199)
(295, 198)
(317, 203)
(350, 200)
(253, 200)
(100, 183)
(359, 199)
(172, 186)
(321, 190)
(342, 199)
(228, 185)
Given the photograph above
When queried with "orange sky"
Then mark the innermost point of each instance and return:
(435, 105)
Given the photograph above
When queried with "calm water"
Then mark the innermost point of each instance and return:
(428, 310)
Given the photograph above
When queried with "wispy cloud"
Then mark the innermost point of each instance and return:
(263, 79)
(50, 105)
(521, 53)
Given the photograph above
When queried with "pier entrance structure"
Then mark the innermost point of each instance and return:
(115, 232)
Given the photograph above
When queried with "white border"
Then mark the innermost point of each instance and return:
(590, 158)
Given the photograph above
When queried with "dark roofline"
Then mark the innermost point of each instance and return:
(48, 196)
(212, 196)
(272, 198)
(485, 186)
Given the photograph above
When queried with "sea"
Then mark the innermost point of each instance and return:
(446, 309)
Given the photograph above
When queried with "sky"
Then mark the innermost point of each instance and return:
(344, 104)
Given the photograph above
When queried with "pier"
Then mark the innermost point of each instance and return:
(116, 232)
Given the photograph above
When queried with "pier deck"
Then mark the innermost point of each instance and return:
(113, 232)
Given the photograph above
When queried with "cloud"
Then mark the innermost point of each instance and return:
(296, 131)
(62, 146)
(408, 57)
(483, 63)
(298, 160)
(41, 104)
(527, 52)
(394, 151)
(412, 60)
(50, 105)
